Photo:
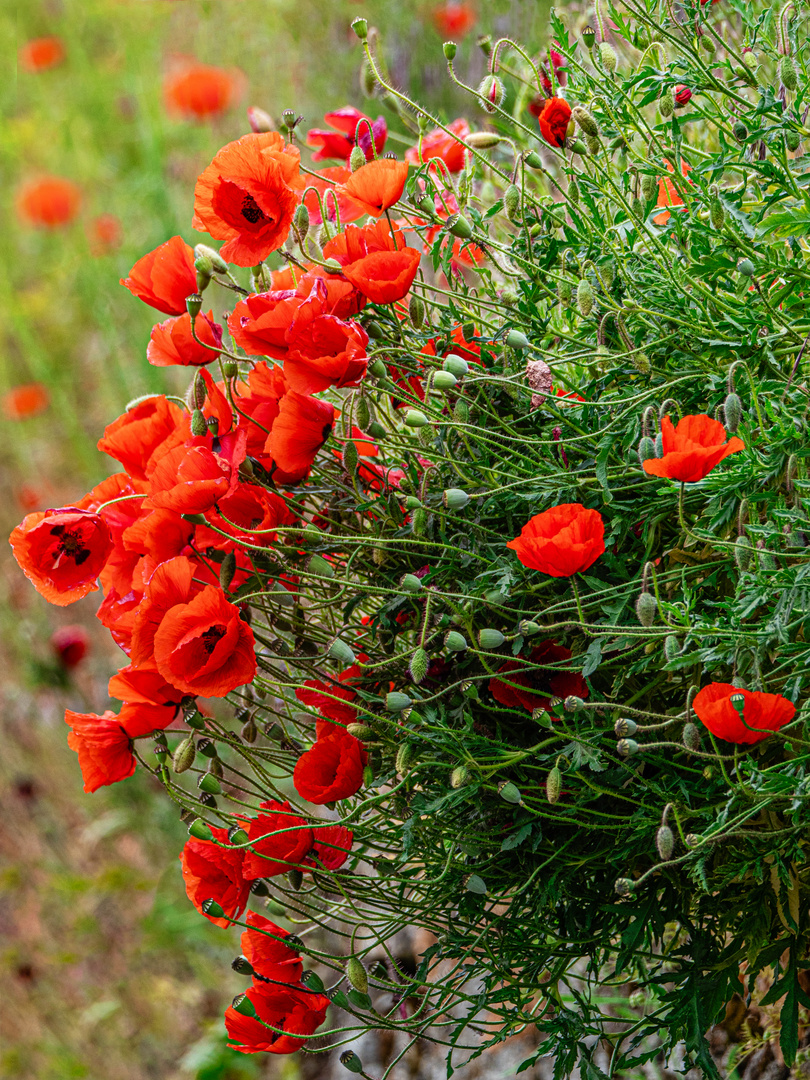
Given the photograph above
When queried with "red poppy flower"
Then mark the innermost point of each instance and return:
(204, 647)
(562, 541)
(668, 194)
(533, 689)
(189, 480)
(349, 126)
(292, 1011)
(384, 276)
(200, 91)
(332, 847)
(328, 180)
(331, 770)
(137, 438)
(751, 719)
(436, 143)
(70, 645)
(692, 449)
(270, 958)
(328, 352)
(31, 399)
(104, 743)
(377, 185)
(301, 428)
(453, 19)
(247, 196)
(62, 552)
(252, 508)
(332, 699)
(171, 342)
(41, 54)
(553, 120)
(142, 686)
(171, 584)
(279, 838)
(48, 202)
(105, 234)
(211, 872)
(558, 76)
(163, 278)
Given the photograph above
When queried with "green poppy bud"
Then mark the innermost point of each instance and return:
(483, 140)
(666, 105)
(341, 652)
(646, 608)
(418, 666)
(416, 310)
(646, 449)
(490, 638)
(788, 73)
(607, 54)
(746, 268)
(419, 521)
(376, 430)
(202, 251)
(356, 974)
(361, 731)
(511, 202)
(415, 418)
(717, 213)
(362, 413)
(410, 583)
(690, 737)
(348, 1059)
(200, 830)
(184, 755)
(649, 186)
(584, 119)
(455, 642)
(665, 842)
(456, 365)
(743, 553)
(227, 570)
(792, 140)
(554, 785)
(199, 425)
(509, 792)
(732, 407)
(212, 908)
(405, 758)
(396, 701)
(671, 647)
(444, 380)
(357, 158)
(455, 499)
(515, 339)
(350, 457)
(624, 727)
(593, 144)
(739, 131)
(459, 776)
(320, 567)
(585, 297)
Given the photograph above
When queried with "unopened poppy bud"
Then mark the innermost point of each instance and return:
(659, 445)
(516, 339)
(458, 225)
(360, 27)
(717, 213)
(295, 878)
(682, 95)
(459, 777)
(745, 268)
(349, 1060)
(666, 105)
(732, 408)
(360, 731)
(212, 908)
(665, 842)
(341, 652)
(708, 44)
(357, 158)
(209, 784)
(648, 186)
(301, 222)
(646, 449)
(194, 305)
(788, 73)
(792, 140)
(623, 886)
(490, 638)
(646, 608)
(419, 521)
(492, 91)
(416, 311)
(200, 830)
(444, 380)
(260, 120)
(585, 121)
(511, 202)
(743, 553)
(739, 131)
(461, 411)
(483, 140)
(357, 975)
(204, 268)
(396, 701)
(405, 757)
(690, 736)
(449, 48)
(589, 37)
(455, 642)
(624, 727)
(627, 747)
(607, 54)
(671, 647)
(227, 570)
(416, 418)
(203, 251)
(199, 425)
(350, 457)
(184, 755)
(509, 792)
(585, 297)
(418, 666)
(362, 413)
(455, 499)
(320, 566)
(554, 785)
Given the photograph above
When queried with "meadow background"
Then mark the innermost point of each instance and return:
(108, 972)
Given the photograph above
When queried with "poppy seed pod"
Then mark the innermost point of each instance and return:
(529, 628)
(349, 1060)
(454, 641)
(585, 120)
(492, 91)
(184, 755)
(211, 908)
(690, 736)
(573, 704)
(341, 652)
(627, 747)
(608, 56)
(209, 784)
(357, 158)
(623, 886)
(357, 975)
(227, 570)
(459, 776)
(554, 785)
(415, 418)
(585, 297)
(456, 365)
(646, 608)
(788, 73)
(230, 369)
(396, 701)
(418, 666)
(665, 842)
(511, 202)
(444, 380)
(455, 499)
(449, 48)
(589, 37)
(490, 638)
(410, 583)
(207, 748)
(745, 268)
(194, 305)
(624, 727)
(646, 449)
(509, 792)
(475, 884)
(242, 965)
(732, 408)
(200, 830)
(319, 566)
(238, 836)
(360, 27)
(458, 226)
(516, 339)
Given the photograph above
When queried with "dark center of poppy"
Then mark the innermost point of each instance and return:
(70, 544)
(211, 636)
(251, 210)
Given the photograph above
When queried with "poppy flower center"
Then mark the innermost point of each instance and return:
(70, 544)
(211, 636)
(251, 210)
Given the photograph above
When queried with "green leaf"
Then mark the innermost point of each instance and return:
(785, 224)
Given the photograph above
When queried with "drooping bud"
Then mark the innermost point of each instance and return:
(585, 297)
(357, 975)
(607, 54)
(690, 736)
(455, 499)
(554, 785)
(624, 727)
(184, 755)
(717, 213)
(320, 567)
(419, 521)
(659, 445)
(665, 842)
(592, 144)
(350, 457)
(342, 652)
(739, 131)
(649, 186)
(459, 776)
(509, 792)
(646, 449)
(418, 666)
(301, 222)
(259, 120)
(416, 311)
(671, 647)
(646, 607)
(396, 701)
(585, 120)
(493, 92)
(205, 269)
(732, 408)
(361, 731)
(357, 158)
(743, 553)
(454, 641)
(490, 638)
(511, 202)
(666, 106)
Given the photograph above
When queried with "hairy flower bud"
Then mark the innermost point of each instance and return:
(646, 608)
(732, 408)
(584, 119)
(717, 213)
(321, 567)
(646, 449)
(682, 95)
(690, 736)
(665, 842)
(420, 521)
(357, 975)
(227, 570)
(492, 91)
(585, 297)
(357, 158)
(459, 776)
(649, 186)
(416, 311)
(418, 666)
(483, 140)
(788, 73)
(199, 425)
(671, 647)
(444, 380)
(553, 785)
(666, 105)
(405, 758)
(739, 131)
(350, 457)
(511, 202)
(608, 56)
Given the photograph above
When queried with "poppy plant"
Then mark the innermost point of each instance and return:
(247, 196)
(137, 438)
(104, 743)
(70, 645)
(533, 685)
(213, 871)
(562, 541)
(292, 1011)
(553, 120)
(331, 770)
(692, 449)
(105, 234)
(349, 127)
(741, 716)
(62, 552)
(163, 278)
(377, 185)
(200, 91)
(48, 203)
(41, 54)
(171, 342)
(270, 958)
(668, 194)
(453, 19)
(25, 401)
(279, 840)
(437, 143)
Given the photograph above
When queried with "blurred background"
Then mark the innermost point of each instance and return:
(108, 972)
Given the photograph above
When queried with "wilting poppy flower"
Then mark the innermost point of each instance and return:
(741, 716)
(561, 541)
(270, 958)
(163, 278)
(301, 428)
(349, 126)
(453, 19)
(692, 449)
(377, 185)
(332, 847)
(247, 196)
(553, 120)
(200, 91)
(136, 438)
(24, 401)
(48, 202)
(668, 194)
(204, 647)
(438, 144)
(327, 183)
(70, 645)
(328, 352)
(171, 342)
(41, 53)
(280, 839)
(331, 770)
(683, 95)
(384, 276)
(104, 234)
(211, 872)
(62, 552)
(291, 1010)
(518, 685)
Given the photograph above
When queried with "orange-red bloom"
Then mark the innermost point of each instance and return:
(279, 838)
(668, 195)
(189, 480)
(270, 959)
(331, 848)
(163, 278)
(214, 872)
(349, 126)
(438, 144)
(292, 1010)
(137, 438)
(375, 260)
(41, 54)
(171, 342)
(199, 91)
(692, 449)
(104, 743)
(533, 688)
(247, 196)
(301, 428)
(62, 552)
(377, 185)
(23, 401)
(561, 541)
(328, 182)
(332, 769)
(453, 19)
(741, 716)
(48, 202)
(553, 120)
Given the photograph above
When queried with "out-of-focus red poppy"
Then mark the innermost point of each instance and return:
(668, 195)
(48, 203)
(741, 716)
(516, 686)
(553, 120)
(41, 54)
(453, 19)
(301, 428)
(270, 958)
(247, 196)
(562, 541)
(70, 645)
(62, 552)
(692, 449)
(279, 841)
(327, 183)
(349, 126)
(377, 185)
(105, 234)
(214, 872)
(171, 342)
(438, 144)
(331, 770)
(200, 92)
(295, 1011)
(29, 497)
(25, 401)
(136, 438)
(163, 278)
